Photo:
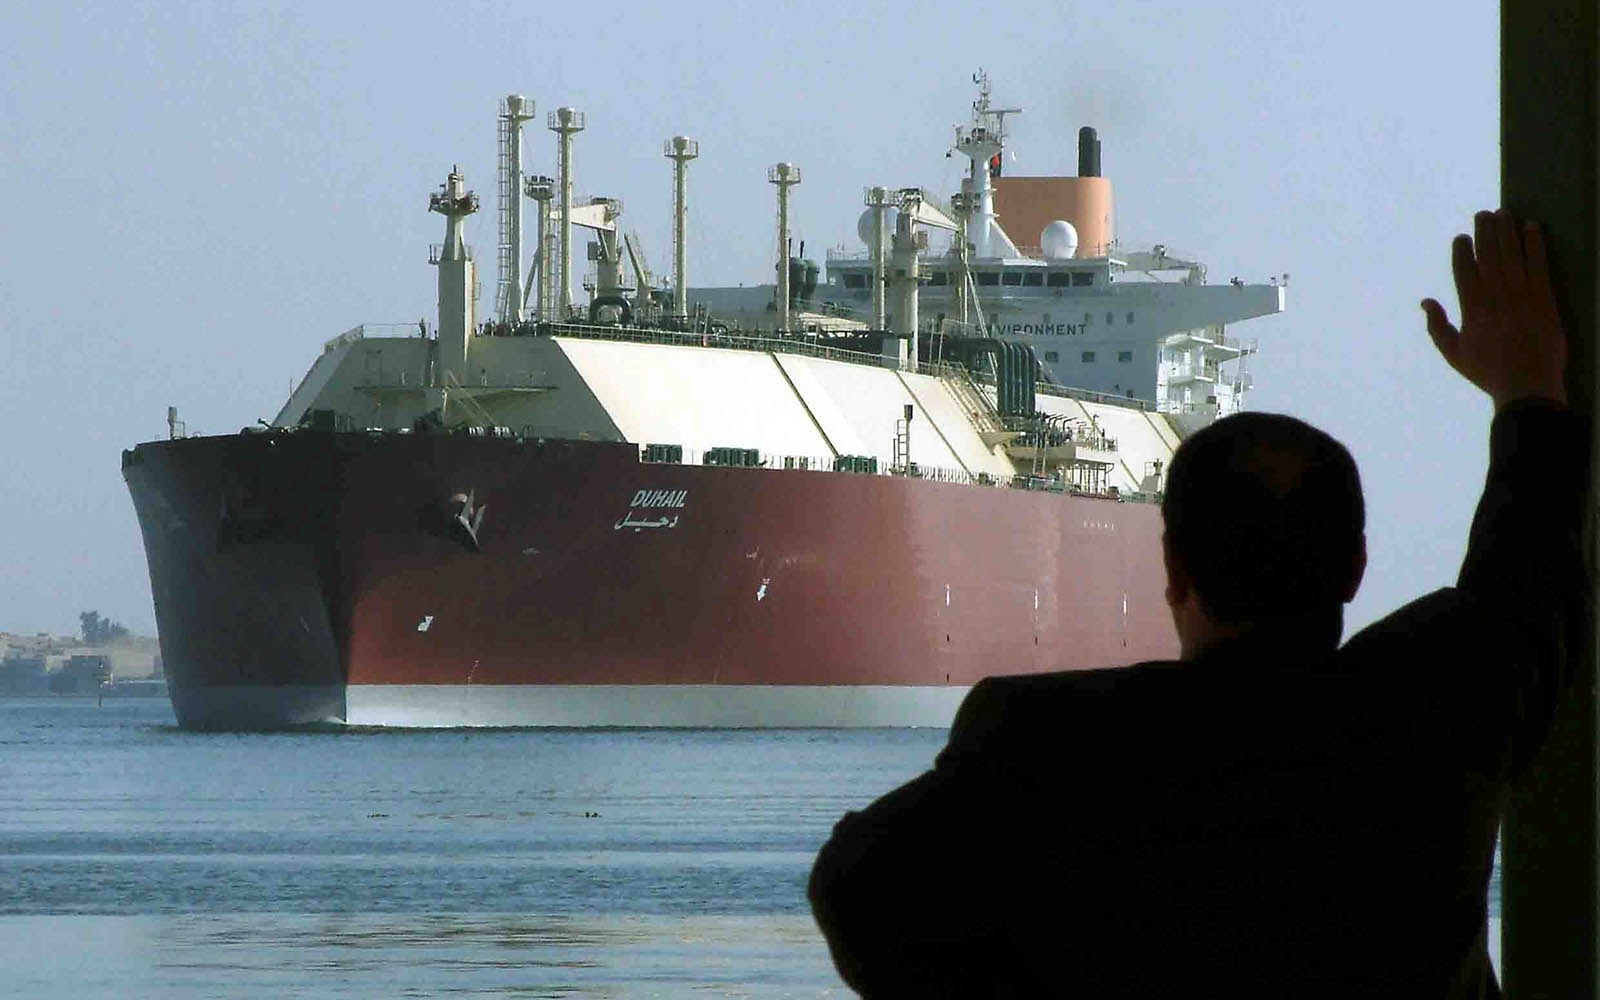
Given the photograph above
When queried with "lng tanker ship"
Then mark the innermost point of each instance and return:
(831, 502)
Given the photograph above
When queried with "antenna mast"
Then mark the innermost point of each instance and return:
(565, 123)
(543, 190)
(457, 277)
(982, 142)
(878, 201)
(680, 150)
(785, 176)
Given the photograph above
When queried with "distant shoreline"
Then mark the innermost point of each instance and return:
(130, 689)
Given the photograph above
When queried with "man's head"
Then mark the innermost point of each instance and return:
(1264, 523)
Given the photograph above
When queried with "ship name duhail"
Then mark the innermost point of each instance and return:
(645, 499)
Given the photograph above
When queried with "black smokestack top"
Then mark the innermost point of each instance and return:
(1088, 152)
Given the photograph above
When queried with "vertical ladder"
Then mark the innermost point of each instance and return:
(509, 193)
(550, 267)
(902, 446)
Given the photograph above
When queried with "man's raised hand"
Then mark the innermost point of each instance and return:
(1510, 343)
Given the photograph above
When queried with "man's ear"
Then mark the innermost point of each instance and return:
(1178, 583)
(1358, 569)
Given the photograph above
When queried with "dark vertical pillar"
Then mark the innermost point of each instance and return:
(1548, 94)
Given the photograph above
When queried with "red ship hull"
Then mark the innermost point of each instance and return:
(395, 579)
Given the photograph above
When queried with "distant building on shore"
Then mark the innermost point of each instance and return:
(23, 674)
(43, 664)
(84, 673)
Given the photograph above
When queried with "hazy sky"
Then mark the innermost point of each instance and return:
(196, 196)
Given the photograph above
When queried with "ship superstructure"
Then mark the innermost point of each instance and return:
(648, 510)
(1141, 324)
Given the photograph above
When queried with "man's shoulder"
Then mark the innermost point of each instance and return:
(1018, 707)
(1264, 685)
(1416, 629)
(1002, 688)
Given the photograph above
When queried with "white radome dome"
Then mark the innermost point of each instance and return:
(864, 225)
(1059, 241)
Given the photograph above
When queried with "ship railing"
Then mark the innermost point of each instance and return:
(1095, 396)
(393, 329)
(390, 330)
(1037, 252)
(937, 474)
(1244, 345)
(436, 252)
(839, 255)
(1046, 431)
(1208, 370)
(1075, 481)
(843, 255)
(350, 336)
(656, 454)
(355, 333)
(1085, 251)
(1204, 409)
(1123, 400)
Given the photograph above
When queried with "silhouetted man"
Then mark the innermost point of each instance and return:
(1274, 815)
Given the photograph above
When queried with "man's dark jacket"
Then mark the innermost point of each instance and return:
(1277, 817)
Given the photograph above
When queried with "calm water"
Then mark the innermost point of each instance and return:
(140, 861)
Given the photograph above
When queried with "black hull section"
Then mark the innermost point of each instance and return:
(257, 708)
(242, 566)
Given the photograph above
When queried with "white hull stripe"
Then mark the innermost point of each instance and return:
(650, 705)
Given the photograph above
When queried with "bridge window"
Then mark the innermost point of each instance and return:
(855, 281)
(1011, 278)
(939, 278)
(1051, 357)
(1081, 278)
(1110, 318)
(1060, 279)
(988, 278)
(1033, 279)
(1130, 317)
(1088, 357)
(1124, 356)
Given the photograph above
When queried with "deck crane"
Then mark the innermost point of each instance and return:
(905, 246)
(610, 285)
